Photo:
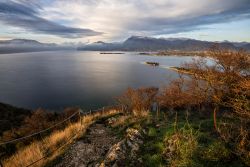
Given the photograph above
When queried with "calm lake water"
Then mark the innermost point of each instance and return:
(58, 79)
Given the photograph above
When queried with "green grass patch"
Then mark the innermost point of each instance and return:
(154, 160)
(152, 132)
(197, 143)
(216, 152)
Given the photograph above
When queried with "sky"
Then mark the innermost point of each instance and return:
(87, 21)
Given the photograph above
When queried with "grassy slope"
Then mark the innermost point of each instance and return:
(179, 141)
(185, 142)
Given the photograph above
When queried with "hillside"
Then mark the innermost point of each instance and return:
(11, 117)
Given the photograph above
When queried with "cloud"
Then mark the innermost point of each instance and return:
(120, 19)
(189, 15)
(24, 16)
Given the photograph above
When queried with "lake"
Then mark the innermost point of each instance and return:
(57, 79)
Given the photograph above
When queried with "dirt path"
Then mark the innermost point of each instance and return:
(90, 150)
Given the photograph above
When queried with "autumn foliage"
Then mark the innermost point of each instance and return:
(221, 82)
(138, 100)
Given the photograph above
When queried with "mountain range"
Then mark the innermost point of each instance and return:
(133, 43)
(139, 43)
(26, 45)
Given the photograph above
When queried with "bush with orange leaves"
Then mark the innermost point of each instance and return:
(137, 101)
(182, 93)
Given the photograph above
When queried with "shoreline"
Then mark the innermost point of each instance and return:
(175, 53)
(180, 70)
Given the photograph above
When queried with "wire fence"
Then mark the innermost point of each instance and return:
(79, 113)
(37, 133)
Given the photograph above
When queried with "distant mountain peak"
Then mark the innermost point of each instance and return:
(139, 37)
(161, 38)
(174, 39)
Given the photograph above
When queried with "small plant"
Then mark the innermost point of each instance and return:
(152, 132)
(216, 152)
(181, 146)
(154, 160)
(159, 147)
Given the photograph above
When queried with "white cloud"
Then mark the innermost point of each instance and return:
(121, 18)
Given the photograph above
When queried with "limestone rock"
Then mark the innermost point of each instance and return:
(124, 150)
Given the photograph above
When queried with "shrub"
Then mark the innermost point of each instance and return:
(181, 146)
(152, 132)
(138, 101)
(159, 147)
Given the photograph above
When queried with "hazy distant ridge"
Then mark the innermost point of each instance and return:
(134, 43)
(138, 43)
(25, 45)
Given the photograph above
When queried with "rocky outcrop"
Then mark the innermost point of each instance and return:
(125, 151)
(101, 148)
(90, 150)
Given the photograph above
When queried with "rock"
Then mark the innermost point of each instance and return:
(90, 150)
(124, 150)
(115, 165)
(135, 147)
(129, 143)
(140, 160)
(111, 120)
(133, 133)
(157, 125)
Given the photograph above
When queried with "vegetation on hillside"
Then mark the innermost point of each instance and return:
(204, 118)
(29, 122)
(11, 117)
(44, 150)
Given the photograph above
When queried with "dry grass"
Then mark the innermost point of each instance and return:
(120, 120)
(125, 120)
(25, 156)
(52, 144)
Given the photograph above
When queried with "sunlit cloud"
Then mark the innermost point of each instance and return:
(120, 19)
